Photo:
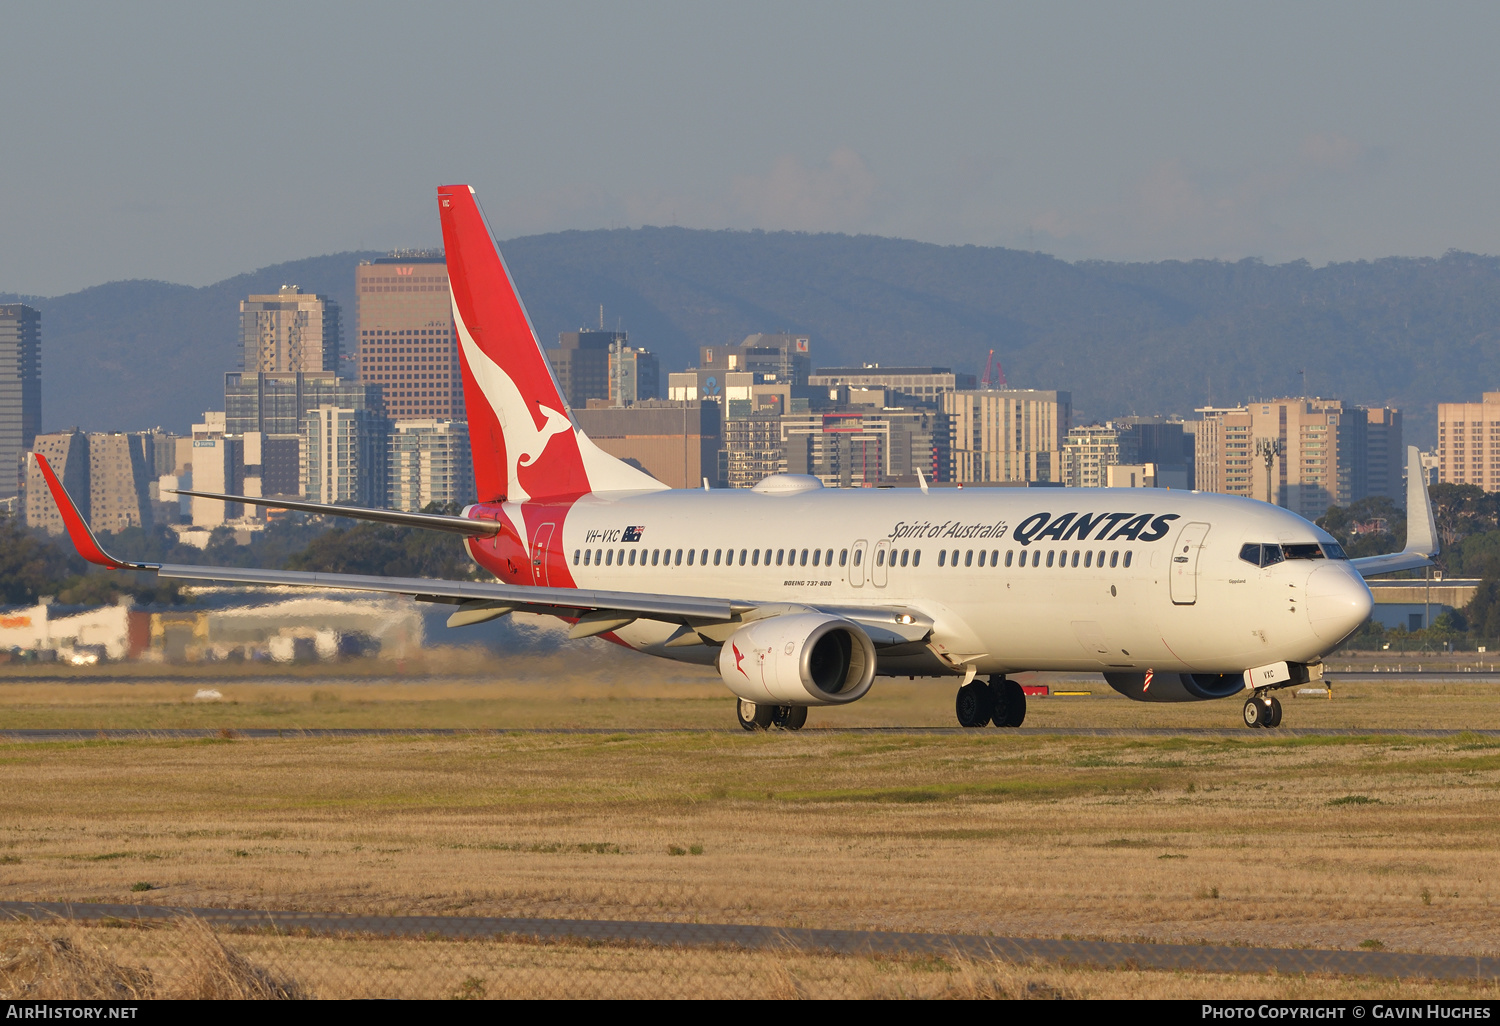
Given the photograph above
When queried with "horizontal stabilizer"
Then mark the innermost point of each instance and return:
(430, 521)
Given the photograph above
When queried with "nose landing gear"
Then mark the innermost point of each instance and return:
(1262, 711)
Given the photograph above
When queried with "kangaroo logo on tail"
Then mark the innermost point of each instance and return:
(515, 407)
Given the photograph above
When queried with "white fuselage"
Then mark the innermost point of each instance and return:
(1137, 579)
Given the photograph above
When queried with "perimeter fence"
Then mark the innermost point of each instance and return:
(53, 951)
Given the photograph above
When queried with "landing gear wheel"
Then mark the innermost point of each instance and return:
(791, 717)
(975, 704)
(755, 717)
(1010, 702)
(1255, 713)
(1273, 717)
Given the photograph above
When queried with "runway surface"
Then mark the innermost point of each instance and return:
(1107, 954)
(258, 733)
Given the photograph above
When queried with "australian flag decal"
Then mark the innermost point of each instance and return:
(633, 534)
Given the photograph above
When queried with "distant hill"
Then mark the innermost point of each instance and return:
(1124, 338)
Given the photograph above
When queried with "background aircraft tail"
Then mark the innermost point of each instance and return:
(525, 442)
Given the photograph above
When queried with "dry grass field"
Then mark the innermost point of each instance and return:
(1254, 838)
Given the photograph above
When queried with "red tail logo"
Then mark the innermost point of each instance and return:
(523, 438)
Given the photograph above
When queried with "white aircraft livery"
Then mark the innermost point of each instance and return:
(800, 595)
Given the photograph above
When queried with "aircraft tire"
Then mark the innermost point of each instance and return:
(1273, 718)
(791, 717)
(1255, 713)
(1010, 703)
(975, 704)
(755, 717)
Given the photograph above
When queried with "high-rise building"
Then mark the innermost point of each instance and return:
(1003, 435)
(753, 448)
(217, 465)
(780, 357)
(675, 442)
(866, 447)
(20, 391)
(67, 454)
(581, 363)
(344, 456)
(1468, 448)
(407, 344)
(1305, 454)
(120, 475)
(289, 332)
(1385, 459)
(1090, 450)
(904, 386)
(429, 462)
(634, 375)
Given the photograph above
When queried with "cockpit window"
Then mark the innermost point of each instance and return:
(1309, 550)
(1265, 555)
(1333, 550)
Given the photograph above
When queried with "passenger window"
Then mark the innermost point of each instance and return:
(576, 555)
(609, 557)
(916, 557)
(843, 557)
(803, 561)
(632, 557)
(717, 554)
(1036, 558)
(880, 557)
(994, 557)
(779, 554)
(828, 558)
(742, 557)
(755, 558)
(586, 554)
(1075, 557)
(904, 554)
(678, 560)
(654, 553)
(620, 558)
(817, 555)
(703, 558)
(1127, 557)
(955, 557)
(1049, 557)
(942, 557)
(1009, 556)
(598, 557)
(859, 556)
(1088, 559)
(969, 558)
(690, 556)
(1114, 559)
(1101, 558)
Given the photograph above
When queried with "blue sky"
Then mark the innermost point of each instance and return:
(189, 142)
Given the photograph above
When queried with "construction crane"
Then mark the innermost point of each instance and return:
(994, 374)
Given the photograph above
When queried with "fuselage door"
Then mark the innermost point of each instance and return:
(539, 555)
(857, 557)
(882, 556)
(1185, 564)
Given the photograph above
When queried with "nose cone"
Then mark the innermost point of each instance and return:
(1338, 601)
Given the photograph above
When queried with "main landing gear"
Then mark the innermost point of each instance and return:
(755, 716)
(1262, 711)
(999, 701)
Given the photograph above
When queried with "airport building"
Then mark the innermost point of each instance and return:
(289, 332)
(429, 462)
(407, 344)
(1007, 435)
(20, 391)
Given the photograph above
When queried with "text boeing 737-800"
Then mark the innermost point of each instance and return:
(801, 595)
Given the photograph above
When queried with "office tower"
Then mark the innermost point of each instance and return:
(429, 462)
(1305, 454)
(780, 357)
(289, 332)
(1003, 435)
(634, 375)
(343, 456)
(675, 442)
(407, 344)
(904, 386)
(1090, 450)
(67, 454)
(581, 363)
(1468, 449)
(120, 480)
(867, 447)
(20, 391)
(753, 448)
(217, 465)
(1385, 455)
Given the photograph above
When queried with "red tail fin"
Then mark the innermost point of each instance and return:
(522, 434)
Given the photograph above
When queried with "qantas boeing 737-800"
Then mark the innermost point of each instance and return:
(801, 595)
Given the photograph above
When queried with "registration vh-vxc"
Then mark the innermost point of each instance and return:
(800, 595)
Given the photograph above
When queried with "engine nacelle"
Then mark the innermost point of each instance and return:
(1176, 687)
(799, 659)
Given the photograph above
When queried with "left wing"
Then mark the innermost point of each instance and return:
(594, 611)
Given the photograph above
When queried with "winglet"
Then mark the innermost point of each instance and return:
(83, 539)
(1421, 528)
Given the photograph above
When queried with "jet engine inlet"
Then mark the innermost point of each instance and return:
(799, 659)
